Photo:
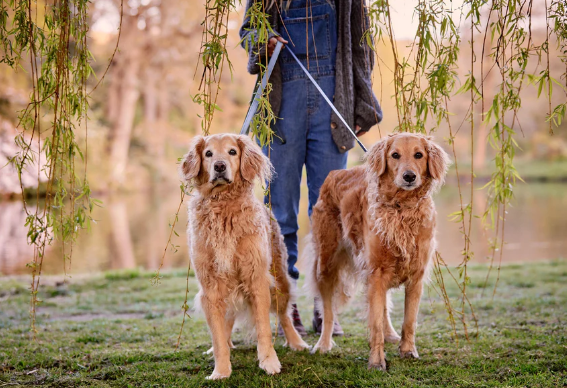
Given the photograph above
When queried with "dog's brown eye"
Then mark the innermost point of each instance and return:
(208, 154)
(395, 155)
(232, 152)
(418, 155)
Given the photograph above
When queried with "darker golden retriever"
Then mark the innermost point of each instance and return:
(236, 247)
(376, 223)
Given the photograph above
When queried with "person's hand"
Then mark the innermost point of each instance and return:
(272, 44)
(358, 133)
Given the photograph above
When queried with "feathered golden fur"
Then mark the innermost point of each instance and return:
(236, 247)
(376, 223)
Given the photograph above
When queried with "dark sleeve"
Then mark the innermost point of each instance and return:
(249, 39)
(367, 111)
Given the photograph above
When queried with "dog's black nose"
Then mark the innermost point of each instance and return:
(409, 176)
(220, 166)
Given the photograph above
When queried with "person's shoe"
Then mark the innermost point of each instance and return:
(296, 319)
(318, 324)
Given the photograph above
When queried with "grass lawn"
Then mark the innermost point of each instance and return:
(117, 329)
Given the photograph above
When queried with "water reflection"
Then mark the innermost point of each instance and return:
(131, 231)
(14, 250)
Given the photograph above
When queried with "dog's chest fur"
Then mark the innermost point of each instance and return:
(219, 225)
(399, 227)
(402, 228)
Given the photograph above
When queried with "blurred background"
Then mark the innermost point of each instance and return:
(142, 118)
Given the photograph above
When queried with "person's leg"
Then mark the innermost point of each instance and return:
(288, 159)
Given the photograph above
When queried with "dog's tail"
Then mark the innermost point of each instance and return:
(310, 258)
(342, 277)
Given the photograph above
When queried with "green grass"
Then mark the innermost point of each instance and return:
(119, 330)
(529, 170)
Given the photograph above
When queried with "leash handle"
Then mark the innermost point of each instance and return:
(254, 106)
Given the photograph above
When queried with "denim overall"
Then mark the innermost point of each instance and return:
(304, 127)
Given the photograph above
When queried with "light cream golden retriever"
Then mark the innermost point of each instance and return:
(376, 223)
(236, 247)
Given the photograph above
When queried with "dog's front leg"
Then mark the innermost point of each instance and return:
(377, 290)
(229, 324)
(414, 289)
(260, 302)
(214, 308)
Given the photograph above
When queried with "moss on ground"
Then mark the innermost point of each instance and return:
(117, 329)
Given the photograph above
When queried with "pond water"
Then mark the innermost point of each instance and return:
(131, 231)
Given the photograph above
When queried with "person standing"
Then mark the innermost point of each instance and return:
(327, 37)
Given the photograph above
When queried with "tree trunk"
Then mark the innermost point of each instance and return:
(122, 128)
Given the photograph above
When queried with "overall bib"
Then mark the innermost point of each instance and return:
(310, 27)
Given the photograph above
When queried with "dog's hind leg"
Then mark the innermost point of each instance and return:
(390, 335)
(282, 292)
(325, 269)
(327, 282)
(231, 317)
(292, 337)
(326, 291)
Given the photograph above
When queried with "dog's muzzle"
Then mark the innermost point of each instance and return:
(409, 180)
(219, 177)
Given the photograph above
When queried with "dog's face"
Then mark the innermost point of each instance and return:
(216, 162)
(220, 159)
(408, 160)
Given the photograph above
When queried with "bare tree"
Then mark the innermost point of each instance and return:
(154, 39)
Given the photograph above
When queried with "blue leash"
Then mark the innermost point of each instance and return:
(254, 106)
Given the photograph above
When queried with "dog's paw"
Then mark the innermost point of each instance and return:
(392, 338)
(380, 365)
(271, 364)
(216, 375)
(408, 350)
(231, 345)
(323, 347)
(210, 351)
(298, 345)
(412, 353)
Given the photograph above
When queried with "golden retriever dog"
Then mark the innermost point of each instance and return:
(376, 224)
(236, 247)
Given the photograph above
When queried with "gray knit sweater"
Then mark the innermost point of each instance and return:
(353, 98)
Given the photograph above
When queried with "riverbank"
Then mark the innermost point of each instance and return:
(531, 171)
(117, 329)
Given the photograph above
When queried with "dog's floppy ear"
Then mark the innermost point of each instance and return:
(438, 161)
(376, 156)
(191, 165)
(253, 163)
